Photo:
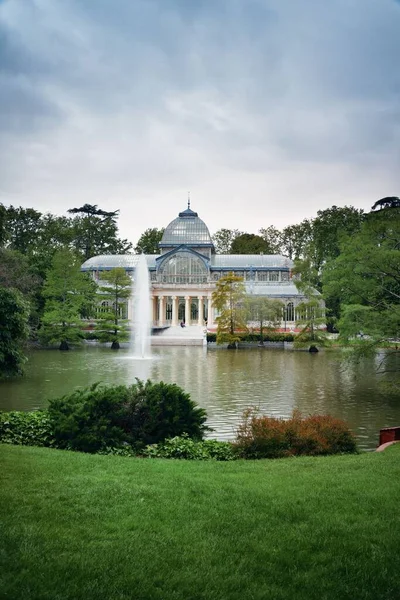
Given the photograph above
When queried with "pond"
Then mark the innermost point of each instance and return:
(224, 383)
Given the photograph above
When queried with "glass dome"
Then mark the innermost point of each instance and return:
(186, 229)
(183, 267)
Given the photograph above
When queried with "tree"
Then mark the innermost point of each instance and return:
(149, 240)
(265, 311)
(95, 232)
(110, 326)
(250, 243)
(14, 313)
(21, 228)
(68, 292)
(295, 239)
(328, 228)
(228, 299)
(312, 323)
(273, 237)
(16, 272)
(223, 239)
(365, 278)
(387, 202)
(3, 225)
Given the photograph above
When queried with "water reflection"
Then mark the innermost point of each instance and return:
(224, 382)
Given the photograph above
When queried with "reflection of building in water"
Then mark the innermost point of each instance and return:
(184, 274)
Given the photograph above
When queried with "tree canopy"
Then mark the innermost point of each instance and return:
(149, 240)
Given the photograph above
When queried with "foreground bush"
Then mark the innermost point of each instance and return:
(98, 417)
(26, 428)
(184, 447)
(267, 437)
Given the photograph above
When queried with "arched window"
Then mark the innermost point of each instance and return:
(183, 267)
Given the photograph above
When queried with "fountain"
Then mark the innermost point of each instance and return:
(140, 336)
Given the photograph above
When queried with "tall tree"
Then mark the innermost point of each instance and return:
(250, 243)
(327, 230)
(365, 277)
(228, 299)
(266, 312)
(14, 313)
(149, 240)
(111, 325)
(22, 226)
(273, 237)
(223, 239)
(68, 292)
(95, 232)
(295, 239)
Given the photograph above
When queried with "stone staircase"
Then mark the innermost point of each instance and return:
(192, 335)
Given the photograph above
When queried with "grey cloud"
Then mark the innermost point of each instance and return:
(143, 94)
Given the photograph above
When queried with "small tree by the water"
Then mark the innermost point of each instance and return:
(266, 312)
(228, 299)
(68, 293)
(112, 325)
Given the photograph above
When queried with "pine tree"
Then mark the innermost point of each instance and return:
(68, 292)
(110, 326)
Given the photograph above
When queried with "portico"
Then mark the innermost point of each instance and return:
(169, 308)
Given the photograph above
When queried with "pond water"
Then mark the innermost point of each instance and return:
(224, 383)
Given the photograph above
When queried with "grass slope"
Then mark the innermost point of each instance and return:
(78, 526)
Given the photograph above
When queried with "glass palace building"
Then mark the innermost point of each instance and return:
(184, 273)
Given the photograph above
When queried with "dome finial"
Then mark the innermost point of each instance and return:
(188, 199)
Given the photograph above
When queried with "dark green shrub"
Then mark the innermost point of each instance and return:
(186, 448)
(163, 410)
(101, 417)
(255, 337)
(90, 419)
(267, 437)
(26, 428)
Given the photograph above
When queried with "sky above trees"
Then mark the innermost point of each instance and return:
(267, 111)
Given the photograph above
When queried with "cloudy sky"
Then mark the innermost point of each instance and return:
(266, 110)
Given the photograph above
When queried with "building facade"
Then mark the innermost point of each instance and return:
(183, 275)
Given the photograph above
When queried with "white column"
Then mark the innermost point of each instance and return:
(161, 311)
(187, 310)
(200, 315)
(174, 310)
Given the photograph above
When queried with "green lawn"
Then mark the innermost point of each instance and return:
(78, 526)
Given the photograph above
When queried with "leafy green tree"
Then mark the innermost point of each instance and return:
(266, 312)
(110, 326)
(68, 292)
(3, 225)
(16, 272)
(14, 330)
(228, 299)
(327, 230)
(273, 238)
(295, 239)
(149, 240)
(365, 278)
(21, 227)
(223, 239)
(312, 323)
(250, 243)
(95, 232)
